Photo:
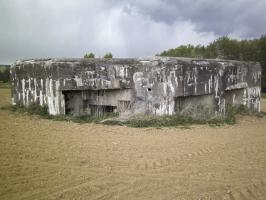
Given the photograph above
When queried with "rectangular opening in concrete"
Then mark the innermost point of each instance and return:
(73, 103)
(101, 110)
(89, 102)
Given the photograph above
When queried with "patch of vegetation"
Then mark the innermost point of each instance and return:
(182, 121)
(42, 111)
(167, 121)
(113, 122)
(242, 110)
(108, 55)
(261, 114)
(263, 95)
(4, 85)
(32, 109)
(230, 114)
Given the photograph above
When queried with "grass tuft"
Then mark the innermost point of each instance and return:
(5, 85)
(42, 111)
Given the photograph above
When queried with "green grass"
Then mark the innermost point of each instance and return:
(42, 112)
(263, 95)
(161, 121)
(168, 121)
(32, 109)
(4, 85)
(181, 121)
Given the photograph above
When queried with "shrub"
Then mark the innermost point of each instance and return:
(108, 55)
(89, 55)
(161, 121)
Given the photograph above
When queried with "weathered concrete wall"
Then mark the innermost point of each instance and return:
(148, 86)
(199, 106)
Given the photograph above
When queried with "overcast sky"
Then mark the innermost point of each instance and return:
(127, 28)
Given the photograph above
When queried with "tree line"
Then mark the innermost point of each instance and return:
(226, 48)
(4, 74)
(91, 55)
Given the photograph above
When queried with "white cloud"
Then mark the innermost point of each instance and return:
(69, 28)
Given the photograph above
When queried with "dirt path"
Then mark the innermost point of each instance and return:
(45, 159)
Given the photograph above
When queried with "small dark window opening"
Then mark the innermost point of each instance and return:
(101, 110)
(109, 109)
(100, 93)
(149, 89)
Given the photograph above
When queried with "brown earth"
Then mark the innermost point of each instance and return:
(46, 159)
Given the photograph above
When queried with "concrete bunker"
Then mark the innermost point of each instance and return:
(155, 86)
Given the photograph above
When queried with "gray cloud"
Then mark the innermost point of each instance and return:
(69, 28)
(243, 18)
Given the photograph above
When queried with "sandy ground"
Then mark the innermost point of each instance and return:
(46, 159)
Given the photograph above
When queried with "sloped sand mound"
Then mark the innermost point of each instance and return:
(45, 159)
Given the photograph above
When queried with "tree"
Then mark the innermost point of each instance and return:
(89, 55)
(262, 60)
(5, 75)
(108, 55)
